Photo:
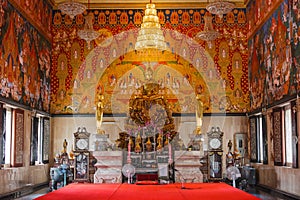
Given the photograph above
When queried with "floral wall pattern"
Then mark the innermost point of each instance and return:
(217, 70)
(24, 60)
(273, 58)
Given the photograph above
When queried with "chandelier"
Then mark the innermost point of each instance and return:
(150, 35)
(71, 8)
(208, 34)
(88, 33)
(220, 7)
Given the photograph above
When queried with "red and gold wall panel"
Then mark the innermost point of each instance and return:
(218, 70)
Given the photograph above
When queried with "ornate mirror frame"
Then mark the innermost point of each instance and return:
(240, 141)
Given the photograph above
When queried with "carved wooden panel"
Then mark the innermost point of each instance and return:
(46, 139)
(253, 144)
(19, 139)
(277, 134)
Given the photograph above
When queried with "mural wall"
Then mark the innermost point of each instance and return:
(24, 59)
(273, 59)
(38, 13)
(258, 12)
(217, 70)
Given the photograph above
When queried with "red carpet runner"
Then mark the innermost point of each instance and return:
(192, 191)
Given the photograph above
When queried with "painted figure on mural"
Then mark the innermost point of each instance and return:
(101, 63)
(76, 84)
(168, 77)
(237, 93)
(131, 80)
(112, 80)
(149, 74)
(186, 79)
(123, 86)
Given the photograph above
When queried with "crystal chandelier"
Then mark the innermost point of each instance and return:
(71, 8)
(150, 35)
(220, 7)
(88, 33)
(208, 34)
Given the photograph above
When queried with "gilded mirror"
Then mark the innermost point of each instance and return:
(240, 145)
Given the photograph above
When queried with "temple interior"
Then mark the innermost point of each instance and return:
(154, 91)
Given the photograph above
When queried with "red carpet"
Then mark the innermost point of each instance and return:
(192, 191)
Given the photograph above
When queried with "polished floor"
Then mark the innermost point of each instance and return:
(254, 191)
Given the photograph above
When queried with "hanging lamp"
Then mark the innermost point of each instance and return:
(71, 8)
(220, 7)
(150, 35)
(88, 33)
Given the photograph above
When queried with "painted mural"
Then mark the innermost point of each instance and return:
(258, 12)
(24, 61)
(295, 41)
(272, 74)
(216, 70)
(37, 12)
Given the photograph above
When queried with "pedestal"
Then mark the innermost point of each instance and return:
(101, 142)
(187, 167)
(109, 166)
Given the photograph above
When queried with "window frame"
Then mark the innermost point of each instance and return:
(288, 113)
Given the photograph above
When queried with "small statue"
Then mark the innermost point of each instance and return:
(148, 145)
(149, 74)
(137, 144)
(99, 112)
(199, 114)
(159, 141)
(229, 155)
(229, 146)
(71, 153)
(65, 144)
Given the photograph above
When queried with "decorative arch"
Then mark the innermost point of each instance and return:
(125, 59)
